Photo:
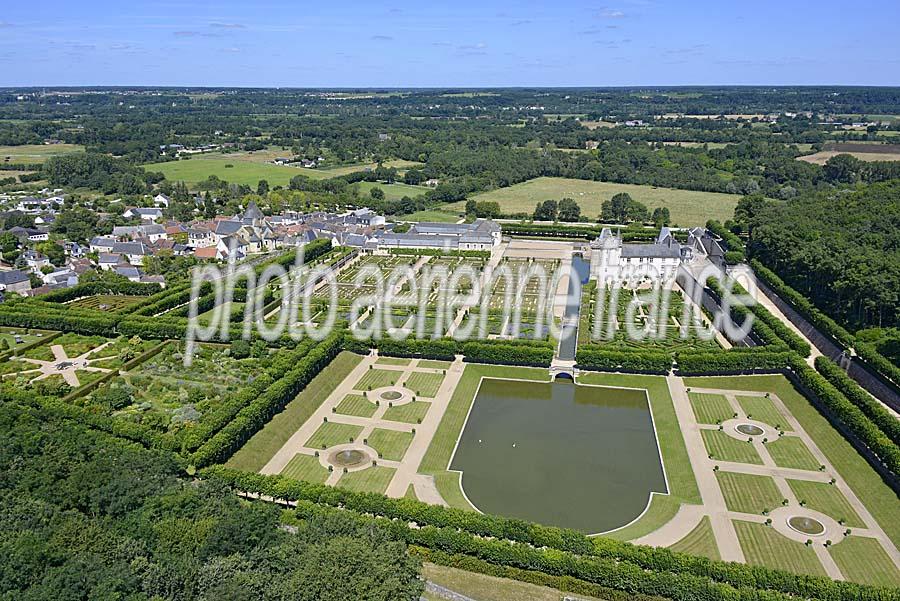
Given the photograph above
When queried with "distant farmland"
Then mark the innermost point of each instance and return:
(861, 150)
(687, 208)
(35, 153)
(249, 168)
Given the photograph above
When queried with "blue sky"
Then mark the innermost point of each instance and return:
(464, 43)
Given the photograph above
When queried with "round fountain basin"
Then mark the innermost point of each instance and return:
(348, 458)
(806, 525)
(749, 429)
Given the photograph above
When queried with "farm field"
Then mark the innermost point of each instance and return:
(36, 153)
(688, 208)
(821, 157)
(432, 215)
(248, 173)
(394, 191)
(250, 167)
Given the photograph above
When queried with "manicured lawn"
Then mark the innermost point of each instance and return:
(358, 405)
(723, 447)
(392, 361)
(390, 444)
(305, 467)
(410, 413)
(330, 434)
(764, 547)
(372, 479)
(791, 451)
(254, 455)
(424, 384)
(826, 498)
(433, 364)
(763, 410)
(377, 378)
(688, 208)
(863, 560)
(710, 408)
(749, 493)
(699, 541)
(878, 498)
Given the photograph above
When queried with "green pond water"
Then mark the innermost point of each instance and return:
(560, 454)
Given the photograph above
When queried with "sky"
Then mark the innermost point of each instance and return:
(489, 43)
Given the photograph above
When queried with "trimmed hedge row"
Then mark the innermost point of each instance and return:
(406, 511)
(731, 362)
(769, 329)
(254, 416)
(598, 358)
(94, 288)
(878, 362)
(617, 574)
(826, 324)
(513, 352)
(849, 414)
(803, 305)
(507, 354)
(441, 348)
(874, 410)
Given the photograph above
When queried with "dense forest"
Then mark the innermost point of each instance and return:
(84, 515)
(841, 248)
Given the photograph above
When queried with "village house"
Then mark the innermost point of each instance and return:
(15, 281)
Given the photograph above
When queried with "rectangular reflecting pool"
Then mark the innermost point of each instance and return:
(561, 454)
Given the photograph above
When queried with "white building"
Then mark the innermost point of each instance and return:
(612, 261)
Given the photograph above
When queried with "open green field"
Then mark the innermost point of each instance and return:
(687, 208)
(331, 434)
(36, 153)
(248, 173)
(394, 191)
(432, 215)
